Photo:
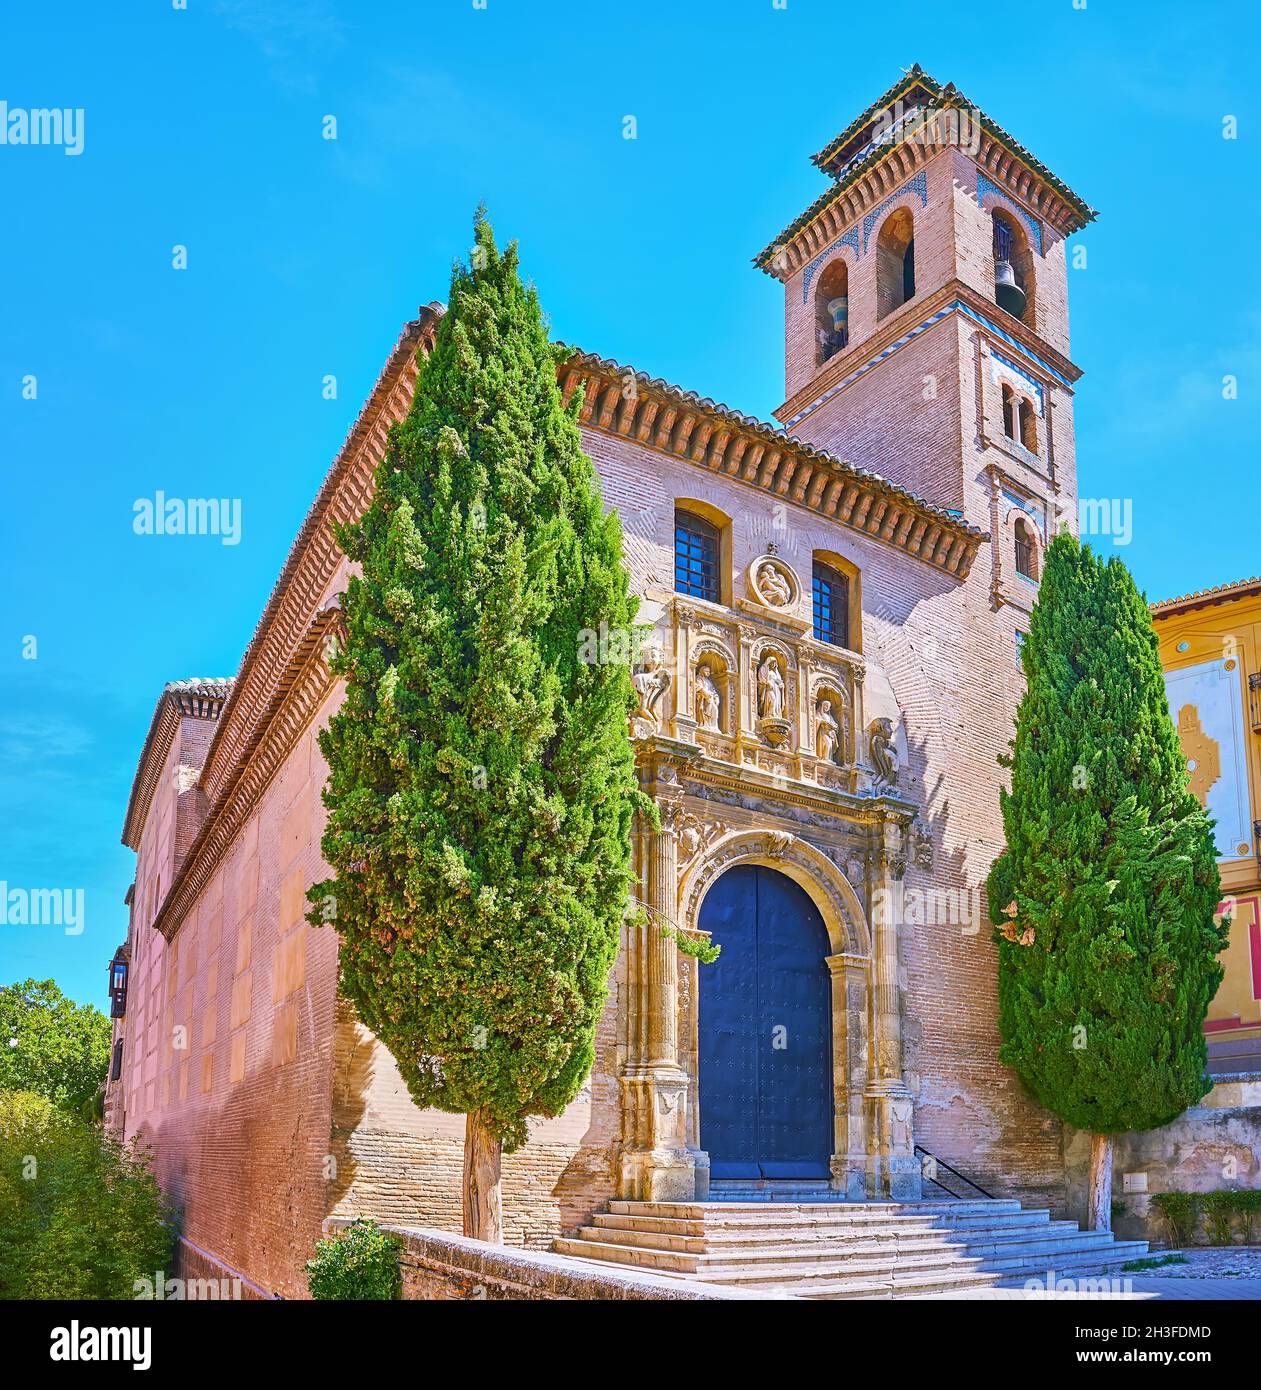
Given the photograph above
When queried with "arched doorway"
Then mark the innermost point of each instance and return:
(764, 1037)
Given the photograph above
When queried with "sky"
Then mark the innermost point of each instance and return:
(204, 127)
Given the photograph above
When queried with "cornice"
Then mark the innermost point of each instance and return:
(301, 692)
(885, 167)
(909, 322)
(703, 433)
(197, 699)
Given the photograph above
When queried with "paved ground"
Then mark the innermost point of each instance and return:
(1233, 1274)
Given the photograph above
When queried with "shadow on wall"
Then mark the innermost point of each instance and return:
(970, 1111)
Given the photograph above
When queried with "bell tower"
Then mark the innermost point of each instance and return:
(926, 315)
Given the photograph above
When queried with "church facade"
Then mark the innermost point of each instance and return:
(836, 604)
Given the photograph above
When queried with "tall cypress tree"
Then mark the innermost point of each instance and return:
(1105, 893)
(481, 784)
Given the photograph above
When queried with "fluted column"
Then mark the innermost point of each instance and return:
(663, 955)
(894, 1171)
(656, 1162)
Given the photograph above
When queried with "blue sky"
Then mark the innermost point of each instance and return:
(203, 128)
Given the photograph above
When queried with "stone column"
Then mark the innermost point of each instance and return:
(893, 1171)
(656, 1164)
(849, 1071)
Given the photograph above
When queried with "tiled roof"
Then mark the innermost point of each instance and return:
(1202, 598)
(947, 96)
(707, 434)
(707, 405)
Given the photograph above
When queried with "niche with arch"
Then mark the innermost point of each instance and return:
(1014, 279)
(713, 689)
(895, 262)
(831, 311)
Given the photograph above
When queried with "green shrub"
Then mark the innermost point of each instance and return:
(1248, 1204)
(81, 1215)
(1180, 1211)
(1220, 1209)
(360, 1262)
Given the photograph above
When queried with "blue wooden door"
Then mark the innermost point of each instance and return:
(765, 1030)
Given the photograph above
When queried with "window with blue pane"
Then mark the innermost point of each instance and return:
(696, 557)
(831, 606)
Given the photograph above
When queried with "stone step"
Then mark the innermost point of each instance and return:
(1079, 1254)
(754, 1231)
(846, 1250)
(727, 1211)
(809, 1242)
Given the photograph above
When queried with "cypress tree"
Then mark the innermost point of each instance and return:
(1104, 896)
(481, 784)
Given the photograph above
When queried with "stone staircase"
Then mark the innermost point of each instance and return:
(831, 1249)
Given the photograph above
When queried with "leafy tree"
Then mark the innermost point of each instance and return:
(81, 1216)
(481, 783)
(52, 1046)
(1105, 893)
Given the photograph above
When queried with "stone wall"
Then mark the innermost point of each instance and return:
(1209, 1147)
(445, 1267)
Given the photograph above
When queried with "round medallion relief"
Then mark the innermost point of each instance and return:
(772, 582)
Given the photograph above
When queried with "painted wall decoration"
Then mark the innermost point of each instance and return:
(1206, 705)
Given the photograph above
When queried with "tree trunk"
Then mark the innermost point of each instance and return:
(1099, 1199)
(483, 1208)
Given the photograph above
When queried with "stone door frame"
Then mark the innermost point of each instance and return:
(850, 967)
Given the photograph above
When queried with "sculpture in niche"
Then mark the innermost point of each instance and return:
(708, 700)
(773, 585)
(770, 689)
(651, 680)
(827, 735)
(884, 756)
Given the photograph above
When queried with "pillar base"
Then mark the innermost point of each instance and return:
(893, 1171)
(849, 1175)
(657, 1165)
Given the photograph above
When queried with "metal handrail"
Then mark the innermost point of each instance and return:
(941, 1163)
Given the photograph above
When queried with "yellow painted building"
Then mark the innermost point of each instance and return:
(1210, 646)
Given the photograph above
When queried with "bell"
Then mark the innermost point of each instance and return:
(839, 309)
(1006, 291)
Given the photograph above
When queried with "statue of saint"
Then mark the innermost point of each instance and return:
(708, 700)
(650, 681)
(773, 584)
(884, 754)
(770, 689)
(827, 732)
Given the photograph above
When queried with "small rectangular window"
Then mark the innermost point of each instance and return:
(695, 557)
(1020, 642)
(831, 606)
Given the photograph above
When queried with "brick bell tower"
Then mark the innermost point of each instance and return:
(926, 317)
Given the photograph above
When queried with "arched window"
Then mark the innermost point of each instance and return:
(895, 262)
(696, 557)
(1009, 412)
(1028, 425)
(836, 594)
(1013, 267)
(831, 605)
(1026, 556)
(831, 311)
